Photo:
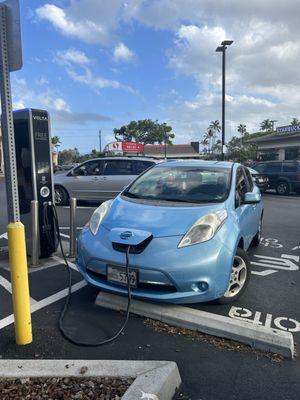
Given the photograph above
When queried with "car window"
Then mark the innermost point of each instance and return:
(273, 168)
(240, 187)
(249, 179)
(89, 168)
(260, 167)
(289, 167)
(140, 166)
(117, 167)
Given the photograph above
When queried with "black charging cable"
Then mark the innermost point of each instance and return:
(68, 298)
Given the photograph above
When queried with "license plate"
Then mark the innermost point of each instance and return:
(260, 180)
(118, 275)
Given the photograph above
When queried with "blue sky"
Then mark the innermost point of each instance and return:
(97, 64)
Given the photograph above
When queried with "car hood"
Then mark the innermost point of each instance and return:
(157, 219)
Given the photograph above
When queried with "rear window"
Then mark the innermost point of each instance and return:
(289, 167)
(273, 168)
(141, 166)
(117, 167)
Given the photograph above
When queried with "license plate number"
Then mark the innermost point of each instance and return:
(118, 275)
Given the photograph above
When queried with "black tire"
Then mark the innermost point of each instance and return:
(61, 196)
(283, 188)
(257, 237)
(228, 297)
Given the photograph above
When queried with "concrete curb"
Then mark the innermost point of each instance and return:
(159, 378)
(259, 337)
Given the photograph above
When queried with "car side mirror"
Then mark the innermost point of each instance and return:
(252, 198)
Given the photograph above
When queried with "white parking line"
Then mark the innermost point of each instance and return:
(7, 286)
(37, 305)
(67, 227)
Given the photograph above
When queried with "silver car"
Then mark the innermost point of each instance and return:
(99, 179)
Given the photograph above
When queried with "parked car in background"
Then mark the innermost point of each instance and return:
(186, 227)
(284, 176)
(261, 180)
(99, 179)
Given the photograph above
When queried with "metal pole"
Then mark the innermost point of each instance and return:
(73, 230)
(223, 100)
(15, 229)
(8, 135)
(100, 144)
(34, 233)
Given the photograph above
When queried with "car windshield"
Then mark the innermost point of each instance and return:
(182, 184)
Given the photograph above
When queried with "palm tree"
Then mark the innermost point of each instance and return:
(295, 121)
(216, 127)
(209, 136)
(242, 129)
(55, 140)
(205, 142)
(266, 125)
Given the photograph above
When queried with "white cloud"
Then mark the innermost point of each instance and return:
(59, 109)
(83, 29)
(72, 56)
(123, 53)
(76, 66)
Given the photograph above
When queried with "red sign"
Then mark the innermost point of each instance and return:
(132, 146)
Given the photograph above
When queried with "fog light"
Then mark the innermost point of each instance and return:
(199, 286)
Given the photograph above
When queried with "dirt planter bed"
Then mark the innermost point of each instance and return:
(87, 379)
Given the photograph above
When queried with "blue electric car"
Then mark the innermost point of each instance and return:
(188, 225)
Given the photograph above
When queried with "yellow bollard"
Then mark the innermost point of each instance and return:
(19, 281)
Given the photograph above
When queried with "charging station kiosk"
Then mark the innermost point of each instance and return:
(35, 176)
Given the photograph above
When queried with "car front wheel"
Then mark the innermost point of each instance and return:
(61, 196)
(239, 277)
(283, 188)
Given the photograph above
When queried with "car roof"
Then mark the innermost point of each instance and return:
(278, 161)
(197, 163)
(123, 158)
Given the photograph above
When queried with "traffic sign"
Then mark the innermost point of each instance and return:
(13, 34)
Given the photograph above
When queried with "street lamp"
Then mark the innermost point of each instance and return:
(222, 49)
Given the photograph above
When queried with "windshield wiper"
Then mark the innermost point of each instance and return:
(132, 195)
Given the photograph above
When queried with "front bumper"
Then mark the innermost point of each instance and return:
(166, 273)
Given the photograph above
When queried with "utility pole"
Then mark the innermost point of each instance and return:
(100, 144)
(222, 49)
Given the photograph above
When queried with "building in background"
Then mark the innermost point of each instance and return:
(284, 144)
(190, 150)
(124, 149)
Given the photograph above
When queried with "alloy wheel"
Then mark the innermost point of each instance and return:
(237, 278)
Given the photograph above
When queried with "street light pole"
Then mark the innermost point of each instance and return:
(222, 49)
(100, 145)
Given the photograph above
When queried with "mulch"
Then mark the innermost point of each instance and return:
(68, 388)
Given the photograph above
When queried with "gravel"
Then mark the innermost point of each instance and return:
(63, 388)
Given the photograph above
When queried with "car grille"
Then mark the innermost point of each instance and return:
(134, 249)
(153, 286)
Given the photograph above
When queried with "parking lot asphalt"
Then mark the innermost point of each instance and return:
(209, 371)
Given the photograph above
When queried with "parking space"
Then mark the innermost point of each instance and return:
(272, 296)
(271, 299)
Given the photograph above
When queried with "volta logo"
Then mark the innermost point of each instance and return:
(126, 235)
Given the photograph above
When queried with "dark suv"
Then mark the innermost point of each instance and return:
(284, 176)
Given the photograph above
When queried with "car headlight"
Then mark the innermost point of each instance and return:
(204, 229)
(98, 216)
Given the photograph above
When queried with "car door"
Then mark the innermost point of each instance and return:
(83, 181)
(273, 172)
(115, 176)
(246, 213)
